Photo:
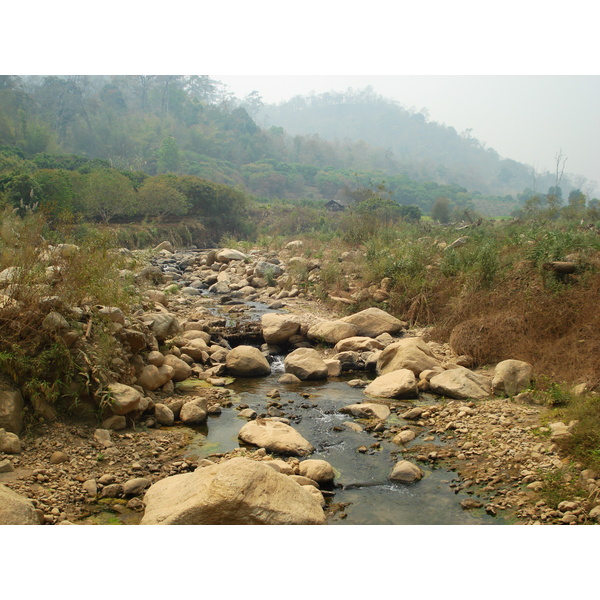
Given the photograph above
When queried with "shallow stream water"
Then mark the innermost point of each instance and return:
(361, 480)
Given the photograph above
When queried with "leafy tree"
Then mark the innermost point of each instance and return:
(159, 197)
(169, 157)
(441, 210)
(106, 195)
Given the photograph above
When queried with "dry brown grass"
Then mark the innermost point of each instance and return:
(557, 331)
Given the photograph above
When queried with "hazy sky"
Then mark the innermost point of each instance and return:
(523, 76)
(527, 118)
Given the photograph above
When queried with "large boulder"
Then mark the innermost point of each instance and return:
(306, 363)
(511, 377)
(237, 492)
(152, 377)
(411, 353)
(367, 410)
(15, 509)
(460, 383)
(372, 322)
(275, 436)
(11, 408)
(163, 325)
(358, 344)
(194, 412)
(331, 332)
(124, 398)
(317, 470)
(181, 370)
(9, 442)
(226, 255)
(405, 472)
(396, 384)
(247, 361)
(277, 329)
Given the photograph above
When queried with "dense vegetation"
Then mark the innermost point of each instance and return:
(145, 126)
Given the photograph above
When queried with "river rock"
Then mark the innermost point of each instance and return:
(317, 470)
(396, 384)
(405, 436)
(164, 415)
(358, 344)
(11, 408)
(372, 322)
(136, 486)
(197, 348)
(405, 472)
(331, 332)
(289, 378)
(155, 358)
(9, 442)
(181, 370)
(275, 436)
(277, 329)
(152, 377)
(124, 398)
(306, 363)
(226, 255)
(460, 383)
(16, 509)
(247, 361)
(194, 411)
(236, 492)
(410, 353)
(367, 411)
(162, 325)
(511, 377)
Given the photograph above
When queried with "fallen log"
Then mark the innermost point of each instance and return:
(562, 267)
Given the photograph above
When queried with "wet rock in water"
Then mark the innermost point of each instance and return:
(247, 413)
(195, 411)
(405, 472)
(16, 509)
(470, 503)
(511, 377)
(247, 361)
(334, 367)
(404, 437)
(306, 364)
(237, 492)
(395, 384)
(367, 411)
(289, 378)
(372, 322)
(317, 470)
(275, 436)
(460, 383)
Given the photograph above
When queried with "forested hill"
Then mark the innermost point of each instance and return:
(423, 149)
(192, 125)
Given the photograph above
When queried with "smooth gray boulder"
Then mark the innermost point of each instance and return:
(237, 492)
(277, 329)
(405, 472)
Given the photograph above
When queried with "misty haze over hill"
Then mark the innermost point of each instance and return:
(416, 146)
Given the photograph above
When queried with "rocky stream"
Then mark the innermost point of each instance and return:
(242, 400)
